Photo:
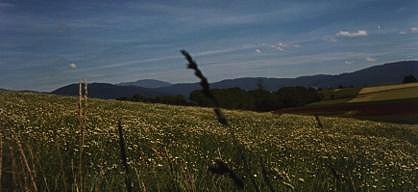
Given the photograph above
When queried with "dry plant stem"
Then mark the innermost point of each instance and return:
(64, 179)
(13, 166)
(318, 121)
(79, 99)
(75, 187)
(85, 93)
(33, 161)
(123, 157)
(25, 162)
(1, 160)
(82, 97)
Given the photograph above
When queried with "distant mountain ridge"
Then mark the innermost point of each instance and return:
(146, 83)
(376, 75)
(107, 91)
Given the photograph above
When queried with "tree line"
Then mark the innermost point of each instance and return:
(236, 98)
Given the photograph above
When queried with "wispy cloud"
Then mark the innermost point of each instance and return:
(4, 4)
(226, 50)
(284, 46)
(410, 30)
(167, 58)
(258, 51)
(371, 59)
(359, 33)
(131, 62)
(202, 16)
(330, 39)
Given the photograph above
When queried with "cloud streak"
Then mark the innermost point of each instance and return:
(371, 59)
(359, 33)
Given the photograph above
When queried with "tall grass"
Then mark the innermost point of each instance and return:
(123, 157)
(1, 159)
(82, 107)
(25, 164)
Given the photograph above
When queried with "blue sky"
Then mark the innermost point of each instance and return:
(47, 44)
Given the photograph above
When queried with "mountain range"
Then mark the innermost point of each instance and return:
(146, 83)
(108, 91)
(376, 75)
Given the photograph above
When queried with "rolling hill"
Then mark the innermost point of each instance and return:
(146, 83)
(392, 103)
(108, 91)
(389, 73)
(377, 75)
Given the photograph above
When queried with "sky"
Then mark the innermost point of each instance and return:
(47, 44)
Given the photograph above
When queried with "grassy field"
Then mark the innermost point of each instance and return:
(172, 148)
(368, 94)
(387, 93)
(389, 103)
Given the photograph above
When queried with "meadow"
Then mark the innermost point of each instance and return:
(394, 103)
(391, 92)
(176, 148)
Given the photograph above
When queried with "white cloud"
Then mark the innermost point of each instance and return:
(348, 62)
(72, 66)
(359, 33)
(410, 30)
(284, 46)
(278, 47)
(258, 50)
(370, 59)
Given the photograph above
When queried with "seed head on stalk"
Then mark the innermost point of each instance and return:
(205, 87)
(218, 166)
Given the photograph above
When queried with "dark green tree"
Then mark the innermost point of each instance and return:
(409, 79)
(297, 96)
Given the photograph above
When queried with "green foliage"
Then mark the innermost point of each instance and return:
(297, 96)
(233, 98)
(259, 99)
(169, 99)
(331, 94)
(409, 79)
(264, 100)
